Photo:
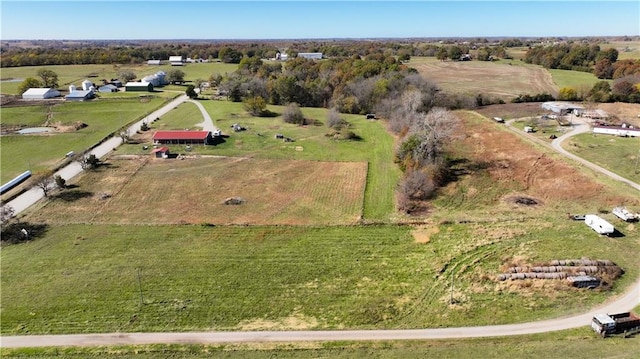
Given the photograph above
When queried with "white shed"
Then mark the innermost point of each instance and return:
(599, 224)
(40, 93)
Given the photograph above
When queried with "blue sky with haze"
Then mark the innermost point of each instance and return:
(159, 19)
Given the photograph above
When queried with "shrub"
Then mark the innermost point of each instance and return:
(293, 114)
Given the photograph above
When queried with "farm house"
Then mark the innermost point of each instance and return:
(40, 94)
(139, 86)
(183, 137)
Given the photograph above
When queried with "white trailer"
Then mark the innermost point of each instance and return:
(624, 214)
(598, 224)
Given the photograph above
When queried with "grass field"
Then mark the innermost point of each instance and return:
(42, 151)
(193, 191)
(580, 81)
(617, 154)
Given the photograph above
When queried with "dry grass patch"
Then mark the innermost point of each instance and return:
(193, 191)
(487, 78)
(423, 234)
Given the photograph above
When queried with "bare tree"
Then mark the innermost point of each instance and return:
(334, 120)
(44, 181)
(435, 130)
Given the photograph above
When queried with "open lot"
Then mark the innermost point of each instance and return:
(504, 79)
(192, 191)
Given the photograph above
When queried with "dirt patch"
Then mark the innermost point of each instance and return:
(423, 234)
(293, 322)
(523, 201)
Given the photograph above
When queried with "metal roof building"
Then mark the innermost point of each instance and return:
(108, 88)
(138, 86)
(153, 62)
(183, 137)
(311, 55)
(561, 107)
(40, 93)
(80, 95)
(176, 60)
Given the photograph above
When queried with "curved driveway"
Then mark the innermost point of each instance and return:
(624, 302)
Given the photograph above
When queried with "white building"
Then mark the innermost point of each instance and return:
(562, 108)
(157, 79)
(40, 93)
(176, 60)
(623, 131)
(86, 85)
(599, 224)
(311, 55)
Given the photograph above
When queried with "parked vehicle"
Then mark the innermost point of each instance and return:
(624, 214)
(599, 224)
(608, 324)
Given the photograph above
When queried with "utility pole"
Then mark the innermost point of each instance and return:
(140, 287)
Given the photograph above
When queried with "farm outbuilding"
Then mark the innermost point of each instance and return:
(86, 85)
(176, 60)
(80, 95)
(108, 88)
(153, 62)
(562, 108)
(311, 55)
(40, 94)
(158, 79)
(161, 152)
(623, 131)
(138, 86)
(183, 137)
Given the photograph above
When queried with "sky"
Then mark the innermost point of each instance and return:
(166, 19)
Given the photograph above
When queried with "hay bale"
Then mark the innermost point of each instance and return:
(233, 201)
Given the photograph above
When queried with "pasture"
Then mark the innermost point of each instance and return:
(46, 151)
(504, 79)
(192, 191)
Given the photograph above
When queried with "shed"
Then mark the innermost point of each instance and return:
(561, 108)
(176, 60)
(80, 95)
(138, 86)
(584, 281)
(183, 137)
(40, 93)
(162, 152)
(116, 83)
(108, 88)
(623, 131)
(153, 62)
(311, 55)
(599, 224)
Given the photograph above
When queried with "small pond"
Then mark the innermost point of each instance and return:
(26, 131)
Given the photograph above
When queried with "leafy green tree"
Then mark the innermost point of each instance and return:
(191, 91)
(600, 92)
(454, 52)
(567, 94)
(442, 54)
(175, 76)
(28, 83)
(256, 105)
(126, 76)
(49, 78)
(251, 64)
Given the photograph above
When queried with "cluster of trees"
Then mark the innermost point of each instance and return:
(583, 57)
(47, 78)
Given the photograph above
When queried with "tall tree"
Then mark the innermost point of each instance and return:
(28, 83)
(49, 78)
(126, 76)
(175, 76)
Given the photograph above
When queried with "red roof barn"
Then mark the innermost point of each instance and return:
(183, 137)
(162, 152)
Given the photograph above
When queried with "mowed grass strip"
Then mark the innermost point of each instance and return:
(193, 191)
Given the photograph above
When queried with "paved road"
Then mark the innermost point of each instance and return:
(625, 302)
(33, 195)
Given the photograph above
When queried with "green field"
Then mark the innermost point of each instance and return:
(580, 81)
(39, 152)
(617, 154)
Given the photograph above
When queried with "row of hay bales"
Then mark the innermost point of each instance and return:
(581, 262)
(562, 269)
(554, 269)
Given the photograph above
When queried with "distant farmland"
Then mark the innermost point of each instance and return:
(498, 79)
